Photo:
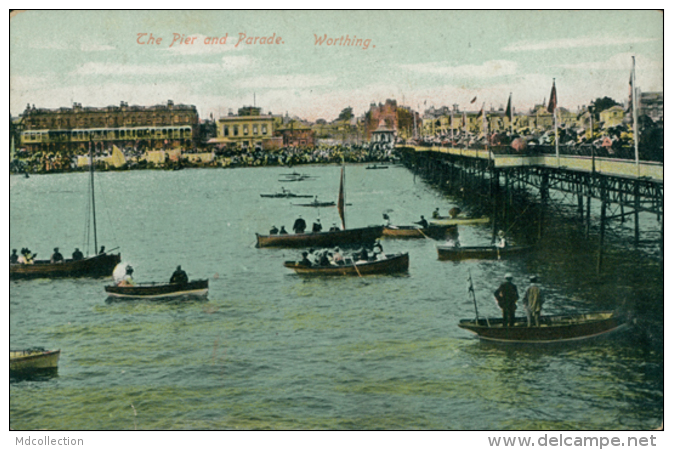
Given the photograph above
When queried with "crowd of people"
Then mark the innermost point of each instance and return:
(57, 161)
(28, 257)
(335, 257)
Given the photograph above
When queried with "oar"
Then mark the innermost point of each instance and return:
(474, 299)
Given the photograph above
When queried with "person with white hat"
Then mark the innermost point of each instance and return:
(506, 296)
(532, 302)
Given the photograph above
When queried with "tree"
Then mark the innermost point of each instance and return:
(346, 114)
(601, 104)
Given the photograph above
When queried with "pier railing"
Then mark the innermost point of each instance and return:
(621, 153)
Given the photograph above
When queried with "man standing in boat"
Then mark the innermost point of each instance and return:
(179, 276)
(532, 301)
(299, 225)
(506, 296)
(317, 226)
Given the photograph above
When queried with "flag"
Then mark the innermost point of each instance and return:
(464, 120)
(552, 98)
(508, 111)
(481, 113)
(474, 99)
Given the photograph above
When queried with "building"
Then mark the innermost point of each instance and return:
(247, 132)
(296, 134)
(652, 105)
(612, 117)
(386, 112)
(144, 128)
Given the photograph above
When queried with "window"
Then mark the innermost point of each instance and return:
(226, 130)
(264, 130)
(254, 129)
(235, 130)
(245, 130)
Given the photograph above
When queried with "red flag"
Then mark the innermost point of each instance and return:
(341, 202)
(552, 98)
(473, 100)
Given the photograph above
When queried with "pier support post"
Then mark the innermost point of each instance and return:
(601, 239)
(636, 207)
(588, 217)
(495, 188)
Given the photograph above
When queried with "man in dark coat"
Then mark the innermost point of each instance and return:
(56, 257)
(506, 295)
(179, 276)
(299, 225)
(77, 255)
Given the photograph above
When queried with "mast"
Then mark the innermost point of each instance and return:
(342, 200)
(93, 200)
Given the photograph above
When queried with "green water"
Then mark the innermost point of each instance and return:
(272, 350)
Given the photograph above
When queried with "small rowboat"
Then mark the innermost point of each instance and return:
(446, 220)
(286, 194)
(447, 253)
(375, 166)
(412, 231)
(33, 360)
(392, 264)
(552, 329)
(159, 290)
(316, 204)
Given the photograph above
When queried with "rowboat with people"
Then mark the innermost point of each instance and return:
(101, 264)
(316, 204)
(448, 220)
(332, 237)
(389, 265)
(551, 329)
(154, 291)
(31, 360)
(455, 253)
(286, 194)
(413, 231)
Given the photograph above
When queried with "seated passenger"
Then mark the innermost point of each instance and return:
(77, 255)
(273, 230)
(13, 258)
(179, 276)
(127, 280)
(56, 258)
(282, 230)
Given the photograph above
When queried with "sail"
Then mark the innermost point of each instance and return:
(341, 202)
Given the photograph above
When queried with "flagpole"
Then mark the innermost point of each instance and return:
(634, 99)
(558, 156)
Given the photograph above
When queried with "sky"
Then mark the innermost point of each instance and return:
(419, 58)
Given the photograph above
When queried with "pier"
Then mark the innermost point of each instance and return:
(509, 185)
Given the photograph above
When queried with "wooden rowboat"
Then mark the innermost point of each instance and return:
(552, 329)
(446, 220)
(286, 194)
(447, 253)
(375, 166)
(316, 204)
(412, 231)
(94, 266)
(322, 239)
(159, 290)
(392, 264)
(33, 360)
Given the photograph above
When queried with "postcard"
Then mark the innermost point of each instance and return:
(337, 220)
